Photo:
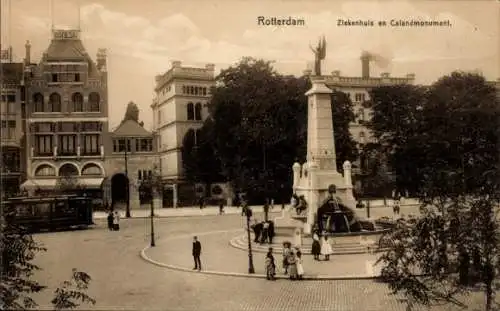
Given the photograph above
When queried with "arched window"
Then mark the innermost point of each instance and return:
(94, 102)
(197, 111)
(45, 170)
(91, 170)
(77, 101)
(190, 111)
(55, 102)
(68, 169)
(39, 102)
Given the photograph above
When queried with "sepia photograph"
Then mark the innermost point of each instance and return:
(250, 155)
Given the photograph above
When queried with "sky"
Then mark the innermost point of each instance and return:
(143, 37)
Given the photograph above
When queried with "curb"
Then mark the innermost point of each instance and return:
(175, 216)
(145, 257)
(233, 243)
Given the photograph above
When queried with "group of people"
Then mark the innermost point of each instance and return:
(292, 263)
(113, 220)
(263, 231)
(321, 246)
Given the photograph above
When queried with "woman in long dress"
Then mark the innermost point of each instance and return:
(300, 268)
(286, 252)
(316, 246)
(292, 265)
(116, 221)
(326, 248)
(270, 266)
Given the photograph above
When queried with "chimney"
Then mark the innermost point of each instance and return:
(27, 57)
(336, 73)
(176, 64)
(365, 65)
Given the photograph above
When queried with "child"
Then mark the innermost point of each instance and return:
(300, 268)
(270, 266)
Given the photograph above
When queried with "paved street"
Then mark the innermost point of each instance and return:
(122, 280)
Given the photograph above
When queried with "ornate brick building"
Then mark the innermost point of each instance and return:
(67, 115)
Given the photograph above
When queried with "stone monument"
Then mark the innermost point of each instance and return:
(313, 178)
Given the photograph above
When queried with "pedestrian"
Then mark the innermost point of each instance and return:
(196, 253)
(326, 248)
(266, 209)
(286, 252)
(265, 232)
(292, 265)
(396, 207)
(300, 267)
(272, 204)
(271, 233)
(110, 220)
(116, 221)
(270, 265)
(257, 230)
(316, 246)
(200, 202)
(221, 207)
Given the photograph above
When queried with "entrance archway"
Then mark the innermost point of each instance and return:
(119, 188)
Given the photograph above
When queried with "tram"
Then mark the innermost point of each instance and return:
(49, 213)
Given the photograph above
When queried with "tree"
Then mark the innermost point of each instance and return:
(454, 244)
(258, 128)
(132, 112)
(397, 113)
(19, 249)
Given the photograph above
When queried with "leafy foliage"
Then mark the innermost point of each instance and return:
(258, 128)
(19, 250)
(70, 292)
(454, 143)
(132, 113)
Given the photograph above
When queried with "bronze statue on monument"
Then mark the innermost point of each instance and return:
(319, 55)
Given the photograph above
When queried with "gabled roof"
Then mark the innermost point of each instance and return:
(66, 49)
(131, 128)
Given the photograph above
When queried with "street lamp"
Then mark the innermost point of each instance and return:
(251, 269)
(127, 193)
(153, 192)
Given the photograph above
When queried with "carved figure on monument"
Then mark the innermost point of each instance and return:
(319, 55)
(335, 217)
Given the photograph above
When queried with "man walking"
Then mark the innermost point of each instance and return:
(196, 253)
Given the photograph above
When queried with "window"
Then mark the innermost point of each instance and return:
(39, 102)
(196, 90)
(145, 145)
(77, 101)
(204, 91)
(119, 145)
(68, 127)
(91, 127)
(3, 107)
(190, 111)
(191, 90)
(77, 77)
(43, 127)
(94, 102)
(11, 108)
(55, 102)
(183, 89)
(54, 77)
(91, 169)
(197, 112)
(139, 175)
(11, 129)
(361, 115)
(45, 170)
(359, 97)
(67, 145)
(43, 145)
(90, 145)
(11, 98)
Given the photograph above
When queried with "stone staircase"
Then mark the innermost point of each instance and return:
(355, 245)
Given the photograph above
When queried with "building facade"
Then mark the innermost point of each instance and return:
(179, 107)
(131, 158)
(11, 115)
(67, 116)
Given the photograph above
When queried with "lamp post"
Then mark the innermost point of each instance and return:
(251, 269)
(153, 192)
(127, 194)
